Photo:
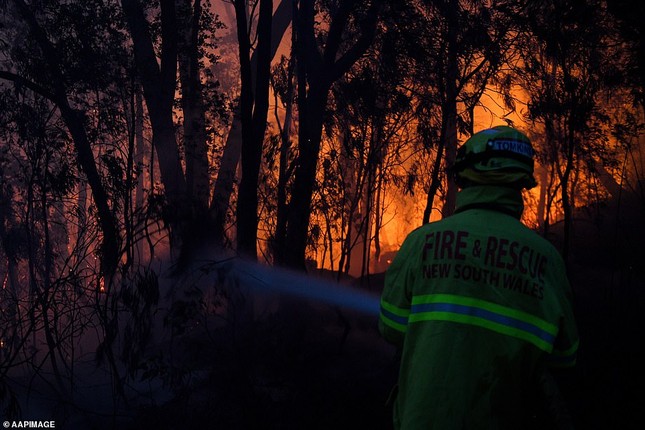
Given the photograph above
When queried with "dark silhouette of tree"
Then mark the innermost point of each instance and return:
(68, 65)
(191, 47)
(254, 108)
(318, 67)
(372, 107)
(564, 60)
(628, 52)
(159, 81)
(284, 87)
(226, 174)
(183, 42)
(56, 88)
(462, 45)
(629, 15)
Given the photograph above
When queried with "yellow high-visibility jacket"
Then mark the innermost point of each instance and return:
(479, 304)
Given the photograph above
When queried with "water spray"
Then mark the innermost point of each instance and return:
(265, 279)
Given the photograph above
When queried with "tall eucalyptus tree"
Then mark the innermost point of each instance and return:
(322, 58)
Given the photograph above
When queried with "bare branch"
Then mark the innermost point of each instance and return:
(22, 81)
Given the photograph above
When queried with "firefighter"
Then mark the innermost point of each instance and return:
(477, 302)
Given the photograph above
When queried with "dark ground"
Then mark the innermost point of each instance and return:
(311, 366)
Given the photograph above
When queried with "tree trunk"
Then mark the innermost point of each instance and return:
(435, 182)
(128, 218)
(140, 161)
(254, 106)
(449, 109)
(285, 168)
(225, 181)
(159, 83)
(541, 206)
(311, 109)
(10, 285)
(565, 192)
(194, 126)
(320, 72)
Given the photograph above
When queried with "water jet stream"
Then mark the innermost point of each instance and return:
(265, 279)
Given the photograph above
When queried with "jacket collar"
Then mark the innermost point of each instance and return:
(502, 199)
